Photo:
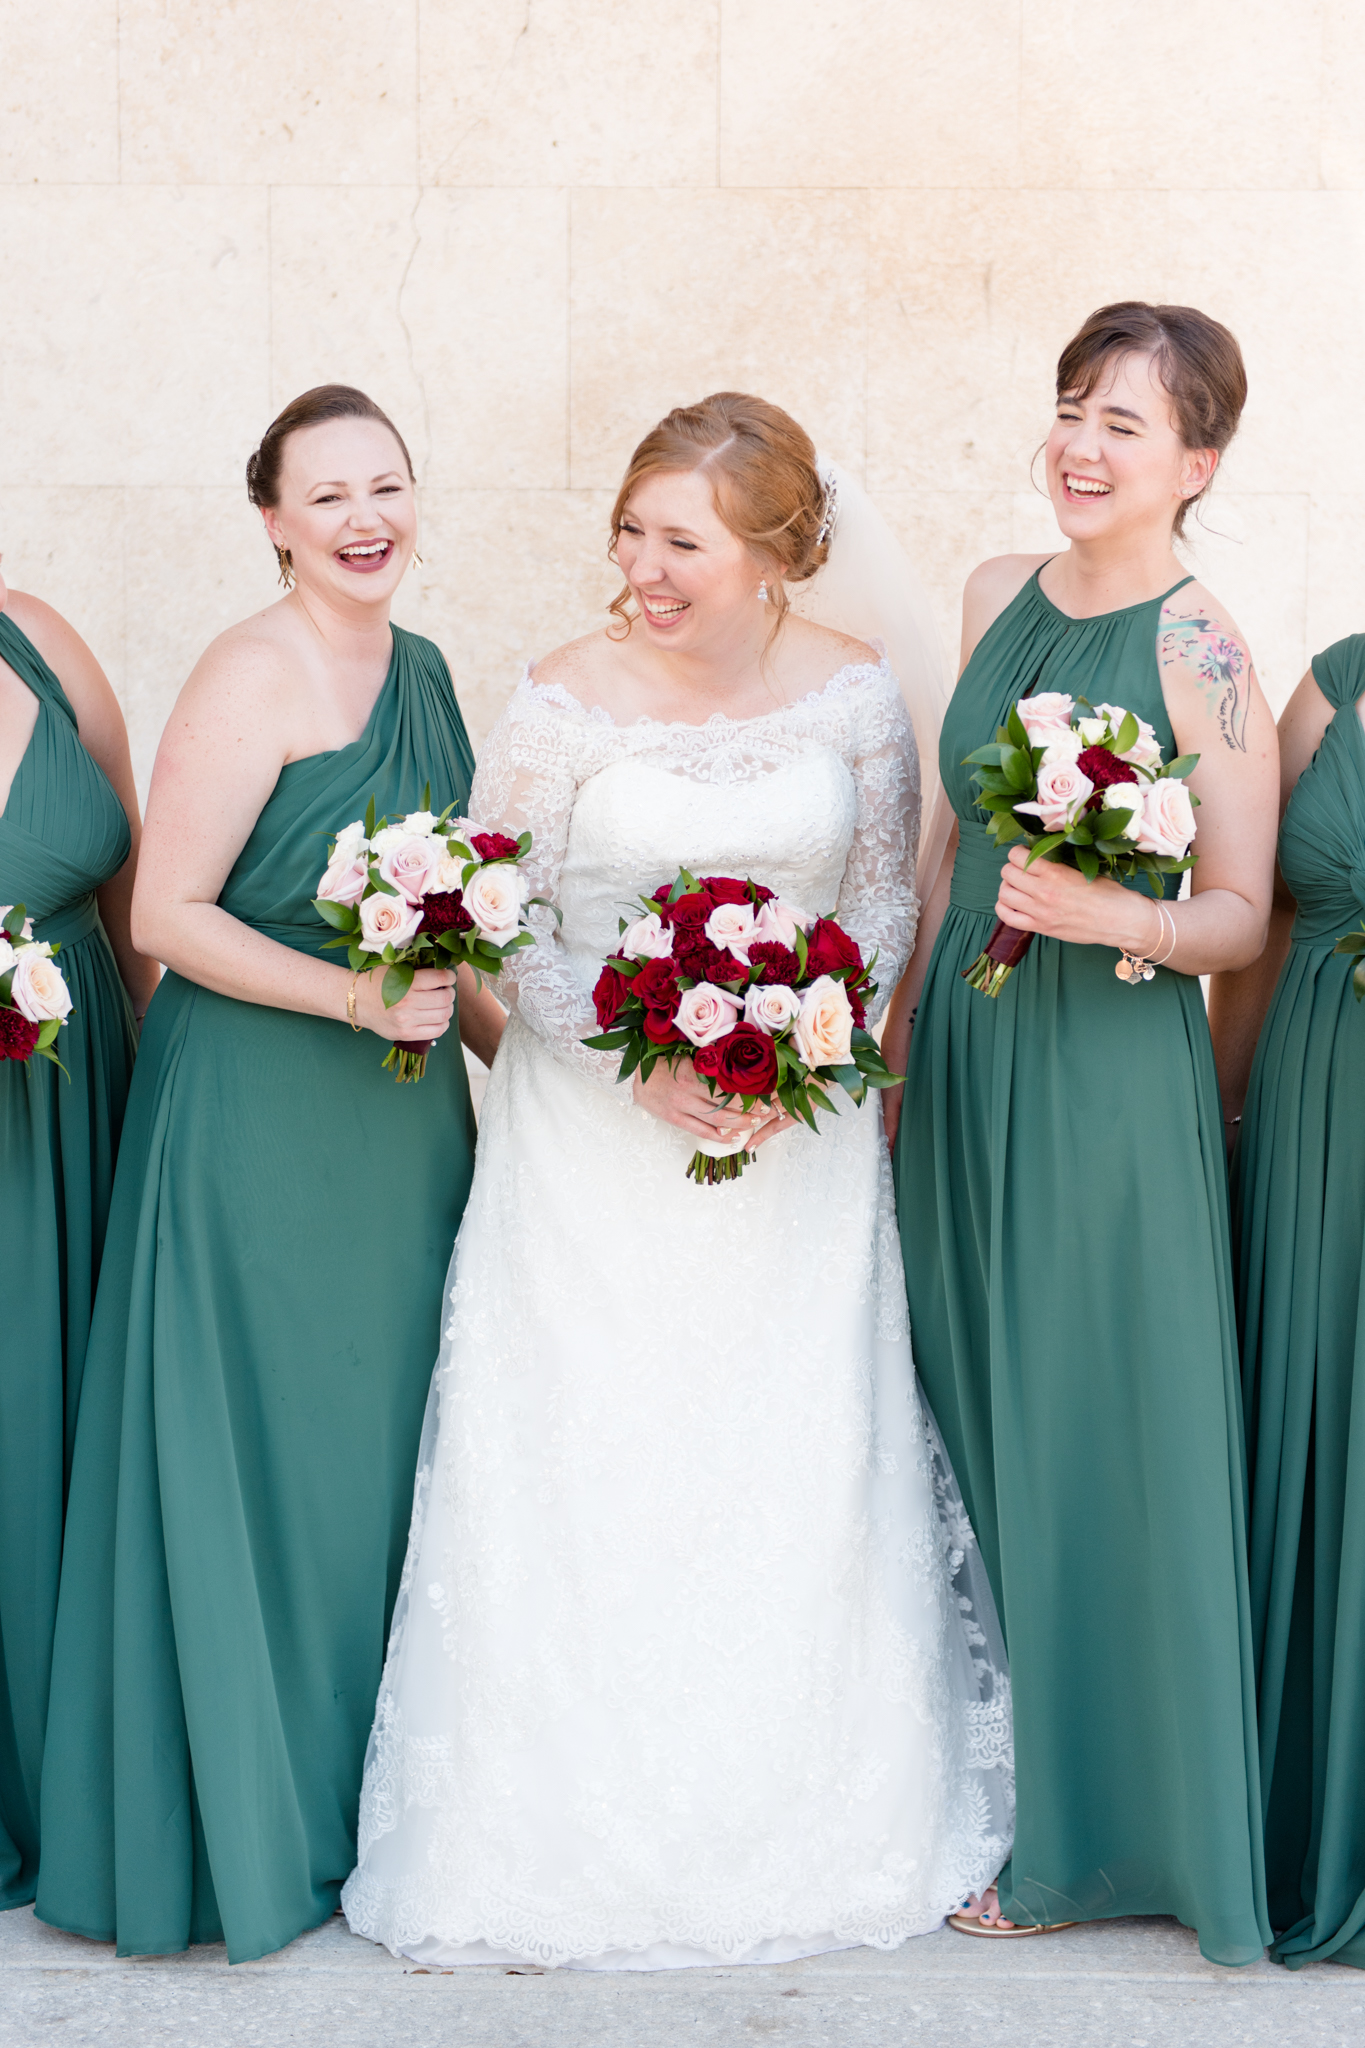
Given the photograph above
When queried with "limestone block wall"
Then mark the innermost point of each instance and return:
(530, 226)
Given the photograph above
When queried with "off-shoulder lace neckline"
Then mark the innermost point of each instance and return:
(843, 679)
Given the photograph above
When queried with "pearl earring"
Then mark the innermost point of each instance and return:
(763, 591)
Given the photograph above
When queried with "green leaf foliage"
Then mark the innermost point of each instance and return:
(397, 981)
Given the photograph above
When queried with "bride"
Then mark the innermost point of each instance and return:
(693, 1660)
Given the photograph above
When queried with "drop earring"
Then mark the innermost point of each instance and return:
(416, 561)
(763, 591)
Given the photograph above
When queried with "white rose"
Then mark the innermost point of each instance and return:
(1092, 731)
(445, 876)
(731, 927)
(419, 823)
(494, 899)
(705, 1014)
(388, 921)
(37, 990)
(823, 1031)
(1167, 818)
(1045, 715)
(350, 843)
(7, 956)
(649, 938)
(777, 923)
(1062, 746)
(389, 835)
(1062, 795)
(1145, 751)
(1125, 796)
(410, 864)
(771, 1009)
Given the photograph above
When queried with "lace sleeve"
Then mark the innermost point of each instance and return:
(877, 902)
(527, 780)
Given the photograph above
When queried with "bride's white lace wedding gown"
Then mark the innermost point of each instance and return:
(690, 1662)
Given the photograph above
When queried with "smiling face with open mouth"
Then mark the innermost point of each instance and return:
(691, 577)
(1115, 459)
(347, 511)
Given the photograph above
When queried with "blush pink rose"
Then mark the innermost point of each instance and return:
(38, 991)
(649, 938)
(731, 927)
(343, 880)
(388, 921)
(771, 1008)
(705, 1013)
(1045, 716)
(1167, 818)
(494, 899)
(823, 1032)
(1062, 795)
(777, 923)
(411, 865)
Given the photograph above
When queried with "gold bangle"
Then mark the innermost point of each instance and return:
(350, 1001)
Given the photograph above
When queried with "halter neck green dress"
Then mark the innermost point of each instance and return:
(1299, 1202)
(63, 833)
(1064, 1219)
(268, 1317)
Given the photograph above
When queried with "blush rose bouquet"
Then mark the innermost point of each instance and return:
(767, 1003)
(1085, 785)
(424, 891)
(34, 999)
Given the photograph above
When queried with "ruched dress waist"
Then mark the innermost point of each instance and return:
(976, 870)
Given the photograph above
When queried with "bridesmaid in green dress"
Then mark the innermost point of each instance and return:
(68, 834)
(270, 1303)
(1062, 1185)
(1299, 1219)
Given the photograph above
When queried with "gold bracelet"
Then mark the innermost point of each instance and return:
(350, 1000)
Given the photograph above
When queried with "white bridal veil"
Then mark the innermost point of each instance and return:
(869, 588)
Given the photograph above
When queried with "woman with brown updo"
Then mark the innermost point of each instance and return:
(271, 1290)
(686, 1669)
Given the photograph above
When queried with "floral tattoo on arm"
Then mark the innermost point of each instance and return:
(1218, 662)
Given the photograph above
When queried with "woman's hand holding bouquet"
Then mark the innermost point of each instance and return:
(1087, 788)
(424, 892)
(34, 999)
(767, 1005)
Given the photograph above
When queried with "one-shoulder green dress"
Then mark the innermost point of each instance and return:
(267, 1320)
(1299, 1205)
(1064, 1219)
(63, 833)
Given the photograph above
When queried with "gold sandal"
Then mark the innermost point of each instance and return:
(973, 1924)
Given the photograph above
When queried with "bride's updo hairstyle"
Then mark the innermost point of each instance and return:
(310, 409)
(1197, 359)
(762, 471)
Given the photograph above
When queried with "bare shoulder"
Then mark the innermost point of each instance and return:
(809, 654)
(1202, 655)
(581, 666)
(992, 586)
(65, 653)
(248, 678)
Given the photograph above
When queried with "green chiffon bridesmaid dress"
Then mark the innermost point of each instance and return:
(1064, 1219)
(1299, 1203)
(63, 832)
(265, 1331)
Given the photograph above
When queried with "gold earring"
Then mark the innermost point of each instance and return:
(416, 561)
(286, 562)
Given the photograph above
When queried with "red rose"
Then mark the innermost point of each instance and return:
(829, 948)
(443, 911)
(656, 985)
(701, 960)
(764, 895)
(692, 909)
(17, 1035)
(725, 889)
(857, 993)
(706, 1058)
(747, 1063)
(494, 846)
(661, 1030)
(776, 962)
(608, 996)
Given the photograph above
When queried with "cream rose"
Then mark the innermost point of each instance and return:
(771, 1009)
(494, 899)
(1062, 795)
(419, 823)
(7, 956)
(350, 842)
(705, 1013)
(649, 938)
(777, 923)
(445, 876)
(1126, 796)
(411, 864)
(823, 1032)
(731, 927)
(1167, 818)
(388, 921)
(343, 880)
(37, 989)
(1145, 751)
(1045, 715)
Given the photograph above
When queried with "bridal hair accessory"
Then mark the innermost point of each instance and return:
(1094, 779)
(34, 999)
(767, 1003)
(426, 891)
(827, 524)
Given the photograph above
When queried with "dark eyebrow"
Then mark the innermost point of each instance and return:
(339, 483)
(1124, 412)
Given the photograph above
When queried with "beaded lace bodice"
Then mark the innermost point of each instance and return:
(818, 799)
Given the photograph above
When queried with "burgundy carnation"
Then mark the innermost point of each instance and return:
(656, 985)
(747, 1063)
(829, 948)
(776, 962)
(18, 1035)
(608, 996)
(494, 846)
(443, 911)
(1104, 769)
(701, 960)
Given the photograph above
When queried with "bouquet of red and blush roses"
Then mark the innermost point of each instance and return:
(768, 1004)
(34, 999)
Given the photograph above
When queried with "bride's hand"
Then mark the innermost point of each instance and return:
(424, 1012)
(679, 1096)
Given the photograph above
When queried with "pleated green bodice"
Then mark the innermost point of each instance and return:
(1064, 1222)
(1299, 1194)
(267, 1323)
(63, 833)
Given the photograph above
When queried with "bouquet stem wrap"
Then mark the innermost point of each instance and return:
(998, 959)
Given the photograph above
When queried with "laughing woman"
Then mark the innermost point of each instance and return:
(1062, 1185)
(271, 1291)
(68, 829)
